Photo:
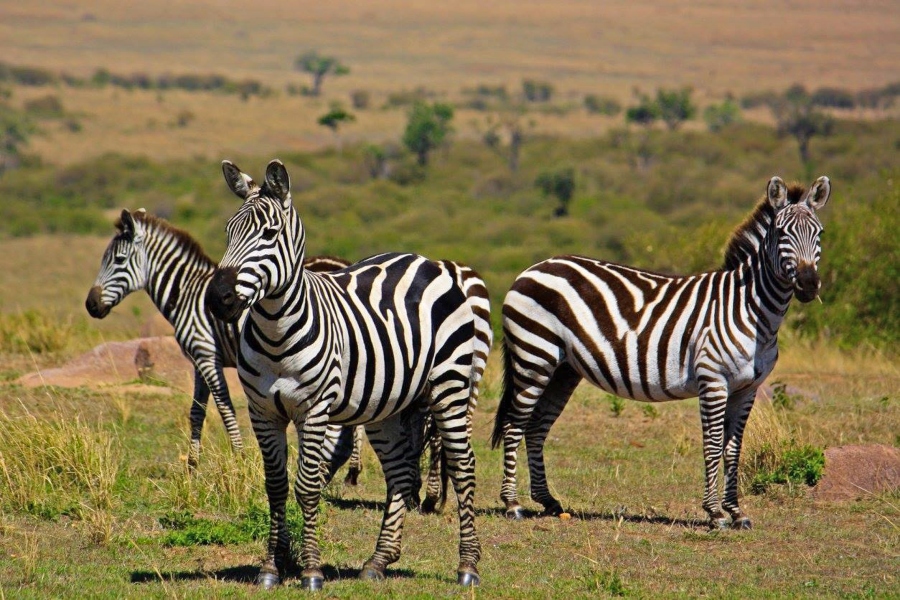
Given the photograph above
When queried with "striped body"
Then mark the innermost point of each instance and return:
(365, 345)
(654, 337)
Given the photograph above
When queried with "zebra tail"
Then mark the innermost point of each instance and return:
(506, 399)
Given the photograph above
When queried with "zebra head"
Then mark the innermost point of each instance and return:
(123, 268)
(266, 243)
(793, 241)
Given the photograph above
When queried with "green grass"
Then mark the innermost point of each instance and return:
(633, 483)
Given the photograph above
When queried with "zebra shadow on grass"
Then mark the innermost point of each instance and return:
(247, 574)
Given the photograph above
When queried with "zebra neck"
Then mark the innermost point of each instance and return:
(287, 306)
(175, 279)
(769, 297)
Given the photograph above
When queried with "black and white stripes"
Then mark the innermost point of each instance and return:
(361, 346)
(655, 337)
(148, 253)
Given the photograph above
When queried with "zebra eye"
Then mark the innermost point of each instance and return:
(270, 233)
(120, 259)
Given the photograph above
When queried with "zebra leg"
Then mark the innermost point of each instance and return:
(198, 415)
(215, 379)
(526, 393)
(551, 405)
(449, 407)
(391, 441)
(355, 467)
(713, 399)
(736, 414)
(339, 445)
(433, 484)
(308, 490)
(272, 437)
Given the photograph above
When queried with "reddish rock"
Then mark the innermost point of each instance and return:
(853, 472)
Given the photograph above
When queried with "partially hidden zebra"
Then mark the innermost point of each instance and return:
(653, 337)
(151, 254)
(364, 345)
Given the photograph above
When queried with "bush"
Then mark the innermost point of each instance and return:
(359, 99)
(45, 107)
(602, 105)
(833, 98)
(537, 91)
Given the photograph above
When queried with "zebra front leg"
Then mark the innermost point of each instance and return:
(713, 398)
(197, 416)
(391, 442)
(736, 414)
(272, 438)
(336, 449)
(548, 409)
(308, 490)
(215, 379)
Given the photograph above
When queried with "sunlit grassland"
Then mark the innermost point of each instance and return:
(633, 483)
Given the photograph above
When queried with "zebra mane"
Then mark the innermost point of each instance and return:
(185, 241)
(747, 237)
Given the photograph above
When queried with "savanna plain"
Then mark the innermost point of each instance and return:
(95, 496)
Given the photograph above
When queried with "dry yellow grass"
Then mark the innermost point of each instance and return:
(579, 46)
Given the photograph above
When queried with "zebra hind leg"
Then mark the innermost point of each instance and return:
(391, 442)
(547, 410)
(355, 466)
(435, 485)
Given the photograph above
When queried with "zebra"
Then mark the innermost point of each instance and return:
(359, 346)
(149, 253)
(653, 337)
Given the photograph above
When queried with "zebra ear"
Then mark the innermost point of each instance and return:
(278, 181)
(776, 192)
(818, 193)
(126, 224)
(238, 182)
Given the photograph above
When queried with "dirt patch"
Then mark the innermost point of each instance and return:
(154, 360)
(853, 472)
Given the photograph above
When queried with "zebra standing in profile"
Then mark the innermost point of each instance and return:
(149, 253)
(653, 337)
(361, 346)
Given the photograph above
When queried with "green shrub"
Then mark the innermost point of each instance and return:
(791, 465)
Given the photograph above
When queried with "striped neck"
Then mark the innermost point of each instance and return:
(177, 269)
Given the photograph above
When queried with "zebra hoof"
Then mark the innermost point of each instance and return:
(312, 584)
(371, 572)
(515, 512)
(554, 510)
(428, 507)
(719, 524)
(267, 580)
(468, 577)
(742, 523)
(352, 478)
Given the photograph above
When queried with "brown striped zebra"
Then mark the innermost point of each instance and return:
(654, 337)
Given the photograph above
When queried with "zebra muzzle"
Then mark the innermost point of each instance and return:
(807, 283)
(94, 303)
(223, 301)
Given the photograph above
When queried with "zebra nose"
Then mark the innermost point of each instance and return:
(807, 283)
(94, 303)
(220, 296)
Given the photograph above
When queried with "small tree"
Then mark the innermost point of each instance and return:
(674, 107)
(428, 127)
(334, 118)
(15, 129)
(537, 91)
(796, 115)
(318, 67)
(559, 184)
(514, 128)
(645, 114)
(719, 116)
